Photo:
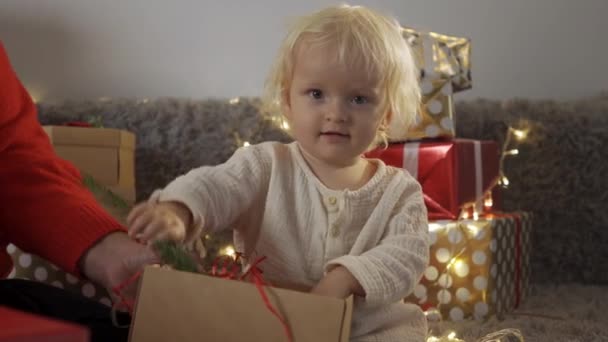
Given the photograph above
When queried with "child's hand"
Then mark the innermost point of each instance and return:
(338, 283)
(162, 221)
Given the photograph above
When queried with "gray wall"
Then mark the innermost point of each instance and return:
(74, 49)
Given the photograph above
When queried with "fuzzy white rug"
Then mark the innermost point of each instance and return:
(552, 313)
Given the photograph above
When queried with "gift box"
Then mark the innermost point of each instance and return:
(108, 155)
(441, 56)
(453, 174)
(435, 117)
(445, 68)
(478, 268)
(182, 306)
(18, 326)
(33, 267)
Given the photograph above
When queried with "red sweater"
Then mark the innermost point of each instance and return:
(44, 208)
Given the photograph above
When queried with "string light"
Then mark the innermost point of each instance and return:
(246, 143)
(488, 202)
(229, 251)
(504, 181)
(285, 125)
(519, 134)
(234, 100)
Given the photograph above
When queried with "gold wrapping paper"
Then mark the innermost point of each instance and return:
(435, 117)
(473, 267)
(440, 56)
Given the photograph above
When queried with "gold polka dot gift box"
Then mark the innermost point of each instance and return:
(445, 69)
(32, 267)
(477, 268)
(435, 116)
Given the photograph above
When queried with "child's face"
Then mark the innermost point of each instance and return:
(334, 109)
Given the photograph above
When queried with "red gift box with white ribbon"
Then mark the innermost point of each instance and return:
(455, 174)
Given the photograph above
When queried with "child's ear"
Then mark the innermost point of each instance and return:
(388, 117)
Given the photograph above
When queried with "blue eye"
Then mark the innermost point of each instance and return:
(360, 100)
(315, 94)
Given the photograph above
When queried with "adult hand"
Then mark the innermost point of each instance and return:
(115, 260)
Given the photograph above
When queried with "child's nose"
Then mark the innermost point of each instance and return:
(336, 112)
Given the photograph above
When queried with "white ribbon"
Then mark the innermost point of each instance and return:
(410, 158)
(410, 163)
(478, 177)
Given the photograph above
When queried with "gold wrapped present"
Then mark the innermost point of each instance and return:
(435, 117)
(440, 56)
(478, 268)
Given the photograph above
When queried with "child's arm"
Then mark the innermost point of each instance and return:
(339, 283)
(209, 196)
(388, 272)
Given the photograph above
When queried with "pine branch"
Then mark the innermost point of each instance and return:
(176, 256)
(170, 253)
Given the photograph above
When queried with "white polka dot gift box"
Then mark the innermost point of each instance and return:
(440, 56)
(29, 266)
(445, 68)
(435, 115)
(478, 268)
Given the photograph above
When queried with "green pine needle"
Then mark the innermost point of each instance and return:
(174, 255)
(171, 253)
(99, 189)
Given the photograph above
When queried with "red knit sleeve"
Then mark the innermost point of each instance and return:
(44, 209)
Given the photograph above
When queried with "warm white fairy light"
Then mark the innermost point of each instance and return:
(285, 125)
(234, 100)
(519, 134)
(246, 143)
(459, 266)
(488, 202)
(504, 181)
(229, 251)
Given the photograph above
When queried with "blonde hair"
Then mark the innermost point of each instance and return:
(360, 35)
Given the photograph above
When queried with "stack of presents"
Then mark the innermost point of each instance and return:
(479, 258)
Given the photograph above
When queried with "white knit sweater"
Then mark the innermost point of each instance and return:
(278, 208)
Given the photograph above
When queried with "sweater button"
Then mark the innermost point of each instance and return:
(335, 230)
(332, 200)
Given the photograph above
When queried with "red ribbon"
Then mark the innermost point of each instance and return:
(229, 270)
(77, 124)
(118, 291)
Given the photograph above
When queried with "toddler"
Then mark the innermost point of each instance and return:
(324, 216)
